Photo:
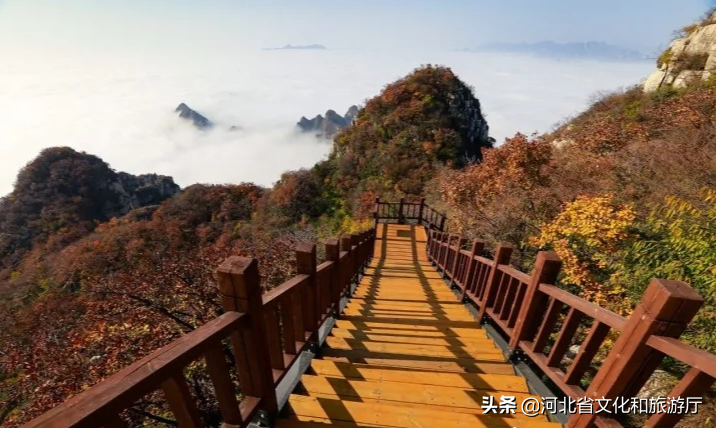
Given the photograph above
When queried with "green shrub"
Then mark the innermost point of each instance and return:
(665, 58)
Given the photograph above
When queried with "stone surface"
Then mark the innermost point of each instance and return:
(681, 67)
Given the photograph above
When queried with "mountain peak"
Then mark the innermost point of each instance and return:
(197, 119)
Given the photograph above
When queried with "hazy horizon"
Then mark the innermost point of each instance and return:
(106, 78)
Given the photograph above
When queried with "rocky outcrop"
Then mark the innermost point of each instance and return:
(197, 119)
(330, 124)
(689, 58)
(136, 191)
(466, 109)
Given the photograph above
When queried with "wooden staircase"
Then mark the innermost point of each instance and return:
(405, 353)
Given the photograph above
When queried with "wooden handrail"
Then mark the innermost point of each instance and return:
(93, 407)
(267, 333)
(588, 308)
(527, 309)
(404, 211)
(687, 354)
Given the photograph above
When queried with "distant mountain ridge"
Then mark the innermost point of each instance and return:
(297, 47)
(573, 50)
(328, 125)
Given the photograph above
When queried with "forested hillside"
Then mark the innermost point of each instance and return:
(96, 276)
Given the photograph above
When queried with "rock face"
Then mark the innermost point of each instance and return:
(327, 126)
(136, 191)
(689, 58)
(466, 108)
(197, 119)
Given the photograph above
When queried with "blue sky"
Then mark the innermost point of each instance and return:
(412, 24)
(105, 75)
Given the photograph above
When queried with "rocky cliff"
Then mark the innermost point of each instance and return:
(690, 57)
(327, 126)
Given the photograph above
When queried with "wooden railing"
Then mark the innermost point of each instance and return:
(267, 333)
(408, 212)
(527, 308)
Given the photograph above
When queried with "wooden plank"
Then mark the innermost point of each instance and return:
(406, 293)
(440, 329)
(435, 324)
(181, 403)
(496, 382)
(491, 354)
(399, 304)
(564, 338)
(292, 422)
(466, 365)
(409, 299)
(224, 389)
(548, 323)
(426, 307)
(438, 407)
(306, 408)
(398, 392)
(400, 330)
(409, 316)
(587, 351)
(417, 339)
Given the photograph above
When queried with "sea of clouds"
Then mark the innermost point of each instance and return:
(121, 106)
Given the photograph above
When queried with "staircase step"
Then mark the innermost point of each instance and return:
(380, 414)
(458, 365)
(395, 336)
(489, 352)
(497, 382)
(465, 400)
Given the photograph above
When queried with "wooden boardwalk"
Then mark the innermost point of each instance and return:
(405, 353)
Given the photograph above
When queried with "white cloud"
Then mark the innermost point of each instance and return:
(121, 107)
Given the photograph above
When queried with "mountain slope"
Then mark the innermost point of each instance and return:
(62, 194)
(426, 119)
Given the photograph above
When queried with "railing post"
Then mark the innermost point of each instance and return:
(400, 211)
(347, 272)
(420, 211)
(306, 265)
(355, 250)
(477, 247)
(665, 310)
(376, 212)
(240, 288)
(502, 257)
(444, 252)
(442, 223)
(333, 254)
(545, 272)
(456, 259)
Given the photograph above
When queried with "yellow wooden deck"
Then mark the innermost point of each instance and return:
(406, 353)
